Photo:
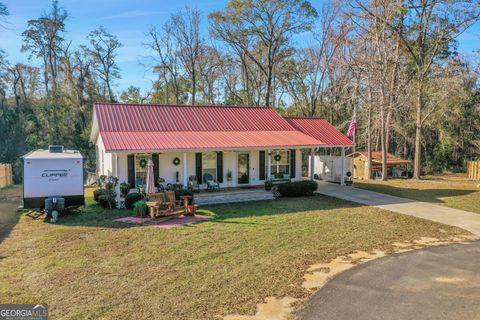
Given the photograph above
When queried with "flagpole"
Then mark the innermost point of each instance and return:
(355, 132)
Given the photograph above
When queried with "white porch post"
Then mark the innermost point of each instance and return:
(312, 164)
(185, 178)
(117, 188)
(342, 178)
(269, 164)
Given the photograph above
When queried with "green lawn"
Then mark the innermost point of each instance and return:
(454, 191)
(88, 266)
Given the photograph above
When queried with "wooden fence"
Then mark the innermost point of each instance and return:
(473, 170)
(5, 175)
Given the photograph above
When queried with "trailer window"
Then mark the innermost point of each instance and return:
(140, 172)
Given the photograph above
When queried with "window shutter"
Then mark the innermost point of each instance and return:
(198, 167)
(156, 168)
(292, 163)
(261, 165)
(220, 166)
(131, 170)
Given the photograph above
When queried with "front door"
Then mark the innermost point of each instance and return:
(243, 168)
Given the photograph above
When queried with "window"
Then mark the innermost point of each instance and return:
(281, 167)
(209, 164)
(141, 172)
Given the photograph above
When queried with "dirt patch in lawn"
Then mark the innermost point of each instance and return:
(319, 274)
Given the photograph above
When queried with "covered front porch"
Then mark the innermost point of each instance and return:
(230, 168)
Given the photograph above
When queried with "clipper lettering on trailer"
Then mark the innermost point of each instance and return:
(55, 175)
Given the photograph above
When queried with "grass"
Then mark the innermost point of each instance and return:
(89, 266)
(453, 190)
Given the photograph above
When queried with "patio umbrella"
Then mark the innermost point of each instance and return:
(150, 187)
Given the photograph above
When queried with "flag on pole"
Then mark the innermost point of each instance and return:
(352, 128)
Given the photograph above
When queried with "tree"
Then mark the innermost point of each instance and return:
(132, 95)
(166, 63)
(307, 73)
(44, 38)
(262, 31)
(427, 32)
(103, 51)
(185, 28)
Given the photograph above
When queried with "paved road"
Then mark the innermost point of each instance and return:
(466, 220)
(433, 283)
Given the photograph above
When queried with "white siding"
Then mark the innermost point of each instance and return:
(122, 168)
(167, 168)
(105, 161)
(329, 168)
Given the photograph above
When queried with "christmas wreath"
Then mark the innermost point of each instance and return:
(176, 161)
(142, 163)
(277, 157)
(242, 161)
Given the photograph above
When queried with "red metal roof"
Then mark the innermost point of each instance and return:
(157, 127)
(126, 117)
(122, 141)
(321, 130)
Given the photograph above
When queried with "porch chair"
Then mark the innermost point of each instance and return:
(211, 183)
(193, 184)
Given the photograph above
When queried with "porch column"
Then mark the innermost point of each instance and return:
(312, 164)
(269, 164)
(185, 173)
(342, 178)
(117, 188)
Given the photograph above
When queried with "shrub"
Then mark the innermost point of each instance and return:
(124, 189)
(131, 198)
(140, 208)
(297, 188)
(97, 193)
(179, 193)
(107, 199)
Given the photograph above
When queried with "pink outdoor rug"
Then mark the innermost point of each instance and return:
(136, 220)
(166, 224)
(172, 223)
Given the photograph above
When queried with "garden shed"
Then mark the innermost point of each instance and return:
(396, 167)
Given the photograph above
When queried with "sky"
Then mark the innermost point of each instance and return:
(129, 21)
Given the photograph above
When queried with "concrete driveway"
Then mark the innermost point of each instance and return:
(459, 218)
(433, 283)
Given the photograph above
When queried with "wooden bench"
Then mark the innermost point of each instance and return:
(165, 204)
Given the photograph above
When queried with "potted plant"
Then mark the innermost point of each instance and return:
(124, 189)
(229, 175)
(268, 184)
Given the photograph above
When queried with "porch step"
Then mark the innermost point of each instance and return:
(206, 198)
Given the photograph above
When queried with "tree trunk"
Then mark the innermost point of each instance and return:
(383, 143)
(369, 136)
(194, 84)
(418, 131)
(269, 85)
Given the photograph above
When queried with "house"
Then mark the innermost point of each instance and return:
(236, 145)
(396, 166)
